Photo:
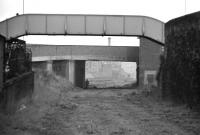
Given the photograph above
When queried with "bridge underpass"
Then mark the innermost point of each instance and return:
(150, 30)
(108, 108)
(69, 60)
(86, 25)
(110, 75)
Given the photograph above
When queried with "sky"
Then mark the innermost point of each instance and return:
(163, 10)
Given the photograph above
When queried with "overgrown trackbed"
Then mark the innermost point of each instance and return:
(105, 112)
(97, 112)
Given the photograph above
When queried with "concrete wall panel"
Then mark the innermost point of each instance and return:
(63, 50)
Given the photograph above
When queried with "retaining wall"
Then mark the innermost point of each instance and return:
(17, 91)
(181, 73)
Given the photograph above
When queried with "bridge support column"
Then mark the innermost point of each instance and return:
(80, 73)
(71, 71)
(74, 71)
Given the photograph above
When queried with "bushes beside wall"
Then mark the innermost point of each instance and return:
(181, 70)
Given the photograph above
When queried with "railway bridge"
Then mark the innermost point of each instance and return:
(150, 31)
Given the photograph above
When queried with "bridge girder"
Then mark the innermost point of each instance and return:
(97, 25)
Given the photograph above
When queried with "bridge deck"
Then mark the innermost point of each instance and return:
(74, 52)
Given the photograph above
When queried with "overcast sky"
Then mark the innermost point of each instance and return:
(163, 10)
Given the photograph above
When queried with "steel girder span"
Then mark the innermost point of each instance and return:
(99, 25)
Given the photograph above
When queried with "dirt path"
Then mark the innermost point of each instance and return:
(105, 112)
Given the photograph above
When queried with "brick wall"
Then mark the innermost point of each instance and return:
(149, 60)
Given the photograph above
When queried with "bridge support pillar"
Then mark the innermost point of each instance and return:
(75, 72)
(71, 71)
(80, 73)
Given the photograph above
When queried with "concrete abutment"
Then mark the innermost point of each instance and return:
(147, 57)
(149, 62)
